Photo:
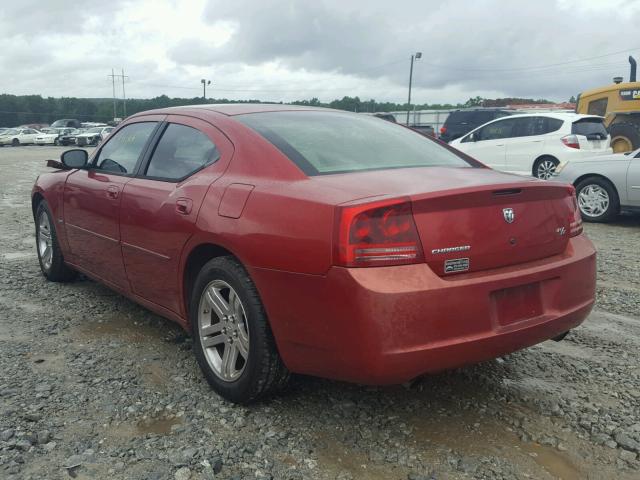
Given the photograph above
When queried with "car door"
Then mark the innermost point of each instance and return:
(633, 180)
(160, 206)
(487, 143)
(525, 145)
(22, 136)
(92, 199)
(28, 136)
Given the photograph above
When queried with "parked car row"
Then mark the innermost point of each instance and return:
(54, 136)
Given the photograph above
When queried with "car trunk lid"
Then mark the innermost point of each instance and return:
(492, 226)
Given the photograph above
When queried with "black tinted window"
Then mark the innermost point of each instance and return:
(460, 117)
(530, 126)
(497, 130)
(181, 151)
(120, 154)
(598, 107)
(589, 126)
(328, 142)
(553, 124)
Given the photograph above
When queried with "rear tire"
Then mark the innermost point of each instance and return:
(49, 254)
(598, 200)
(544, 167)
(15, 142)
(625, 137)
(227, 315)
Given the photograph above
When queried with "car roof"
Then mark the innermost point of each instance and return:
(559, 115)
(232, 109)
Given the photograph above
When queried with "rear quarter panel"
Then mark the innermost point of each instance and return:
(287, 221)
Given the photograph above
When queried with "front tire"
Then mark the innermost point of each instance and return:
(15, 142)
(233, 343)
(49, 254)
(597, 199)
(544, 167)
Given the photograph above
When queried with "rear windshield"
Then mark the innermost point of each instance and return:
(589, 126)
(331, 142)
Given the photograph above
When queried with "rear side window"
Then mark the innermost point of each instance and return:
(497, 130)
(121, 153)
(327, 142)
(180, 152)
(598, 107)
(589, 126)
(553, 125)
(530, 126)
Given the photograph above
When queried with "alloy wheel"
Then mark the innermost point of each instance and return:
(45, 248)
(546, 168)
(224, 331)
(593, 200)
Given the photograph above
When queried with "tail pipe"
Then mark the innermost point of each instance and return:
(632, 73)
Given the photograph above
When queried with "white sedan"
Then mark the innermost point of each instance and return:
(18, 136)
(605, 185)
(535, 144)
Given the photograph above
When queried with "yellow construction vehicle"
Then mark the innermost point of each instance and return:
(620, 105)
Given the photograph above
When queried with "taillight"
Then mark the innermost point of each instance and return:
(571, 141)
(575, 219)
(443, 130)
(377, 234)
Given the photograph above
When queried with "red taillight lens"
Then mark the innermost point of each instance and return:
(575, 219)
(443, 130)
(571, 141)
(377, 234)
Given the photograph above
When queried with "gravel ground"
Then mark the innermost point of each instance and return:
(93, 386)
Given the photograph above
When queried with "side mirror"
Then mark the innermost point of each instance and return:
(76, 158)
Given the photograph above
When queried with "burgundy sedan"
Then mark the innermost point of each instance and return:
(316, 241)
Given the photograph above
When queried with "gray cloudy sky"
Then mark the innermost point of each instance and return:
(287, 49)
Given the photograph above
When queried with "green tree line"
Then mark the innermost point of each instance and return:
(25, 109)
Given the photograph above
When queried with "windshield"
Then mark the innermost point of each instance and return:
(10, 131)
(330, 142)
(94, 130)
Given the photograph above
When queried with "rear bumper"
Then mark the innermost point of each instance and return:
(390, 324)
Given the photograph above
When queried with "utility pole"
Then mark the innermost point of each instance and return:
(204, 83)
(417, 55)
(113, 83)
(124, 97)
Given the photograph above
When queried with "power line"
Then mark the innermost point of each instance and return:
(535, 67)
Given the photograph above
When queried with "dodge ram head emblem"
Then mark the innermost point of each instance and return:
(509, 215)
